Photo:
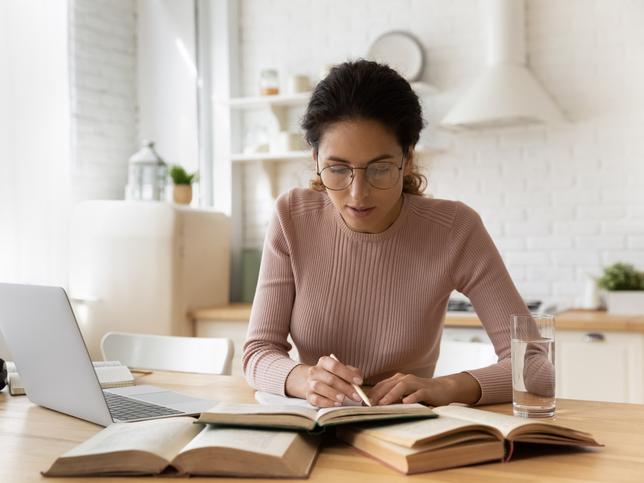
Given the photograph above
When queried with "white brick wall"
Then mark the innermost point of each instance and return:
(103, 95)
(560, 201)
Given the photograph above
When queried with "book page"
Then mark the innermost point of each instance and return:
(424, 430)
(234, 408)
(107, 364)
(519, 429)
(113, 374)
(15, 384)
(329, 414)
(163, 437)
(267, 398)
(504, 423)
(268, 442)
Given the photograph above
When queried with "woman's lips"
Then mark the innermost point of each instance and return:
(360, 212)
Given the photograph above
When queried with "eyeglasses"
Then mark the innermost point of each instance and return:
(381, 175)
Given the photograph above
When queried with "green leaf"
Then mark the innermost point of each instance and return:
(181, 176)
(621, 276)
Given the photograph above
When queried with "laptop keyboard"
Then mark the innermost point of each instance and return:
(124, 408)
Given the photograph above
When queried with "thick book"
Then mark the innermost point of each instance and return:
(308, 419)
(459, 436)
(178, 446)
(110, 374)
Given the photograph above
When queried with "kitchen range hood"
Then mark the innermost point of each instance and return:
(506, 94)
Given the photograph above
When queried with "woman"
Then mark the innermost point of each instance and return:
(361, 266)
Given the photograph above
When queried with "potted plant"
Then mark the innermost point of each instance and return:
(182, 190)
(625, 289)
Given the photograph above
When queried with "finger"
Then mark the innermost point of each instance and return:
(319, 386)
(379, 390)
(400, 390)
(420, 396)
(320, 401)
(352, 376)
(383, 387)
(341, 387)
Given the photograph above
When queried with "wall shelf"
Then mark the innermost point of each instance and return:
(299, 99)
(255, 102)
(290, 155)
(294, 155)
(279, 104)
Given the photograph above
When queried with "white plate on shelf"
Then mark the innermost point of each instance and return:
(400, 51)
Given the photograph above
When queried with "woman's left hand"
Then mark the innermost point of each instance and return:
(408, 389)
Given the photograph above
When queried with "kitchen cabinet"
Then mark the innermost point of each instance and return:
(597, 365)
(234, 330)
(602, 366)
(464, 348)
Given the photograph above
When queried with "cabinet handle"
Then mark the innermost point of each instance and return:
(594, 337)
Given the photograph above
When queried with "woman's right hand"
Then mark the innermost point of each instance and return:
(325, 384)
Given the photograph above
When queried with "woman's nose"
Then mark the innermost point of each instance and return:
(359, 187)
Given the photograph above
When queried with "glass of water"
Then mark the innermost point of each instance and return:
(533, 365)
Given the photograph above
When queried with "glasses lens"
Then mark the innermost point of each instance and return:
(336, 177)
(382, 175)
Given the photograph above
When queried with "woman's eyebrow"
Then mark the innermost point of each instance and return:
(378, 158)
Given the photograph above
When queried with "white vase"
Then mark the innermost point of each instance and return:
(625, 302)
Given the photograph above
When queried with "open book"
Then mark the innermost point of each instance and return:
(459, 436)
(178, 446)
(303, 418)
(110, 374)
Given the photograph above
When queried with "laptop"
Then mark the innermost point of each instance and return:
(41, 332)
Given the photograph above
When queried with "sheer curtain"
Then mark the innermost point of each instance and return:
(35, 160)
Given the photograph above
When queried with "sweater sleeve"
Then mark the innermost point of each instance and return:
(479, 272)
(265, 355)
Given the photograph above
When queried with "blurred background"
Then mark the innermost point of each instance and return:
(554, 164)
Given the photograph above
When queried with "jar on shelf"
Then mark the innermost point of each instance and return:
(269, 82)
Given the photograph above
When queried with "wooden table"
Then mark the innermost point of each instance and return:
(32, 437)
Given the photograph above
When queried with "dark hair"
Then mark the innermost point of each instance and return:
(364, 89)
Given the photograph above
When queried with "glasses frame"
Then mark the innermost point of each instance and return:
(353, 173)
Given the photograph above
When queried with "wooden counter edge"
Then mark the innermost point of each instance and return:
(584, 320)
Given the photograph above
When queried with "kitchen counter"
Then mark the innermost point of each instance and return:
(586, 320)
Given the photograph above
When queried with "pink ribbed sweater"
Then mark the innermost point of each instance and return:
(377, 301)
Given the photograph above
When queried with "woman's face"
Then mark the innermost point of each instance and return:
(359, 143)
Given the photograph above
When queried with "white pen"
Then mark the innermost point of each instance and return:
(358, 389)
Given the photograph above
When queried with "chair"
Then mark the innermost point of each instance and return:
(207, 355)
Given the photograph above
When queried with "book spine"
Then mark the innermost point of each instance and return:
(509, 449)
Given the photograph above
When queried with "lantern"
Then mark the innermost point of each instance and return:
(147, 175)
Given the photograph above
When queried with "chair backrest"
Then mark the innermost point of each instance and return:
(169, 353)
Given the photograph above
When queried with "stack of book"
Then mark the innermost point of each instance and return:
(279, 441)
(459, 436)
(248, 440)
